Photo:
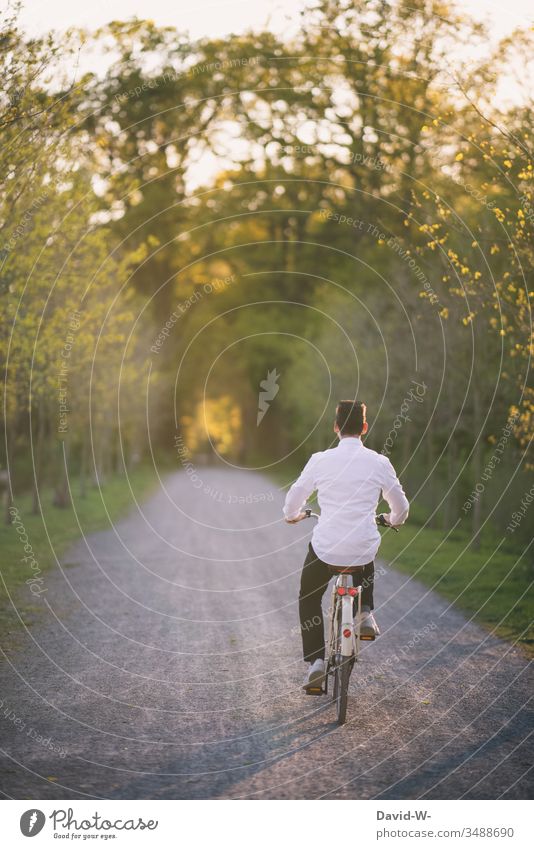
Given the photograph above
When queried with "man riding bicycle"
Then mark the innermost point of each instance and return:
(349, 480)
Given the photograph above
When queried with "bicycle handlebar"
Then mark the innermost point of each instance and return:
(380, 520)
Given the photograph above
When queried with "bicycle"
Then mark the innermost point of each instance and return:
(343, 644)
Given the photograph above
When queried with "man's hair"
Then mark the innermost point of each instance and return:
(350, 417)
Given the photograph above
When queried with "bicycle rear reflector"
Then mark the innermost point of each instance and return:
(347, 632)
(342, 591)
(353, 591)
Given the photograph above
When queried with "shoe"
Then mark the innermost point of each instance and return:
(315, 675)
(369, 630)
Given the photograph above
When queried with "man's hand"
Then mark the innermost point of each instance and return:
(383, 519)
(299, 518)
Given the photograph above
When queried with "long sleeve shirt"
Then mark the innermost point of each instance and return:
(349, 480)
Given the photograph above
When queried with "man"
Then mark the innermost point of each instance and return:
(349, 480)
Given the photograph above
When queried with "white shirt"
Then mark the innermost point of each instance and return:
(349, 479)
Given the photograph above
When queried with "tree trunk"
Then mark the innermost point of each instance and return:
(429, 486)
(38, 457)
(449, 510)
(61, 493)
(120, 458)
(8, 498)
(83, 466)
(477, 469)
(101, 457)
(406, 448)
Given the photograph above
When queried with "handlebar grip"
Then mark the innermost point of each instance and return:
(382, 522)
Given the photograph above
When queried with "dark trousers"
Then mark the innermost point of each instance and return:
(314, 580)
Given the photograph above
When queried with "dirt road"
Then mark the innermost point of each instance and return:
(166, 664)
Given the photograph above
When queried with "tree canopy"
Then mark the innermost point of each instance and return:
(346, 206)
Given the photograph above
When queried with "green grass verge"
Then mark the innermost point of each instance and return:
(63, 529)
(491, 584)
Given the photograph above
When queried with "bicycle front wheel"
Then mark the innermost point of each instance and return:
(341, 688)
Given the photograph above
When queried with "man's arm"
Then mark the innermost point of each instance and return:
(394, 495)
(301, 490)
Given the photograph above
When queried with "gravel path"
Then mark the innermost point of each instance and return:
(167, 665)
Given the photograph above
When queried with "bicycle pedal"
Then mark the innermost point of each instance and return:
(368, 638)
(314, 691)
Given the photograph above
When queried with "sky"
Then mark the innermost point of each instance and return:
(219, 17)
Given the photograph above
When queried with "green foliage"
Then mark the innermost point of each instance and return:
(69, 342)
(369, 212)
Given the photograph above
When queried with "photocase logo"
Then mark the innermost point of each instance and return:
(31, 822)
(270, 391)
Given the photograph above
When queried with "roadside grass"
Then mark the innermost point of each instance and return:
(491, 584)
(63, 528)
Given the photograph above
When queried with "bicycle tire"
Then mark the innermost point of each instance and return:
(335, 658)
(341, 688)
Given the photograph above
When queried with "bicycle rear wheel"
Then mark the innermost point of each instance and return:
(341, 688)
(335, 656)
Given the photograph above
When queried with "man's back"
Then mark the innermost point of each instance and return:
(349, 479)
